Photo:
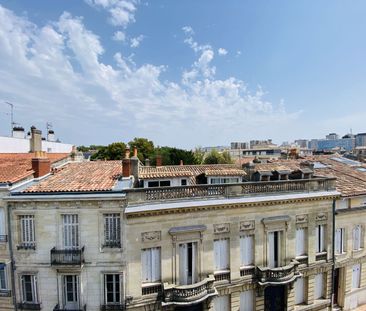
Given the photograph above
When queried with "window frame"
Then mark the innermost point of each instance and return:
(219, 247)
(3, 277)
(359, 235)
(114, 292)
(27, 233)
(34, 288)
(113, 219)
(243, 253)
(321, 242)
(151, 265)
(339, 242)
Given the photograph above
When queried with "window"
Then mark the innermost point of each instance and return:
(222, 303)
(112, 230)
(356, 276)
(247, 300)
(247, 250)
(183, 182)
(27, 238)
(2, 221)
(224, 180)
(299, 291)
(70, 231)
(339, 241)
(221, 254)
(319, 286)
(188, 263)
(159, 183)
(150, 259)
(357, 238)
(112, 289)
(300, 241)
(320, 238)
(3, 282)
(71, 291)
(274, 249)
(29, 288)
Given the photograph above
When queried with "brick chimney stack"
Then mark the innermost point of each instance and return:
(135, 167)
(126, 164)
(41, 165)
(159, 160)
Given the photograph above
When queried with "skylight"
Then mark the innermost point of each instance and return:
(347, 161)
(319, 165)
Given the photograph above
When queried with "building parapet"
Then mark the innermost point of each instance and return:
(143, 195)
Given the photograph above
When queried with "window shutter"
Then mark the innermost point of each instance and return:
(322, 238)
(356, 276)
(337, 241)
(217, 254)
(271, 247)
(317, 239)
(2, 220)
(145, 265)
(299, 291)
(300, 241)
(318, 288)
(222, 303)
(225, 254)
(183, 264)
(247, 300)
(246, 250)
(155, 264)
(194, 262)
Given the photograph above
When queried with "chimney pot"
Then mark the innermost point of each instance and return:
(181, 163)
(135, 152)
(127, 153)
(159, 160)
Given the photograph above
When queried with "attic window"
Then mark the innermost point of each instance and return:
(183, 182)
(224, 180)
(158, 183)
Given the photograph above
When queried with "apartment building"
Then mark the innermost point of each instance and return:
(15, 170)
(110, 236)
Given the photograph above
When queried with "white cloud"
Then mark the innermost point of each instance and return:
(122, 12)
(119, 36)
(222, 51)
(55, 73)
(135, 42)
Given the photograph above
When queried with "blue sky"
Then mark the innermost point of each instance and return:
(183, 73)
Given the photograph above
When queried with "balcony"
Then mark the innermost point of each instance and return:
(57, 308)
(321, 256)
(278, 276)
(67, 257)
(29, 306)
(189, 294)
(222, 276)
(141, 195)
(3, 238)
(5, 293)
(247, 271)
(113, 307)
(27, 246)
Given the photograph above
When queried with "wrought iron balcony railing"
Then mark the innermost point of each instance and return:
(278, 275)
(3, 238)
(140, 195)
(67, 256)
(321, 256)
(189, 294)
(113, 307)
(29, 306)
(27, 245)
(58, 308)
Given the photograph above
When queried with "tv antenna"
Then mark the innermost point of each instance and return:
(49, 126)
(11, 117)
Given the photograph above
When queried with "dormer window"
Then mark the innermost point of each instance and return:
(183, 182)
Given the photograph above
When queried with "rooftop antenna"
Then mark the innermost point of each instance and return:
(49, 126)
(11, 117)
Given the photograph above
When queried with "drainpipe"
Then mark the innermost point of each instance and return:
(10, 241)
(333, 253)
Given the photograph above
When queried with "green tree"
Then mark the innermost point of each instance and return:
(199, 155)
(214, 157)
(227, 158)
(173, 156)
(114, 151)
(145, 147)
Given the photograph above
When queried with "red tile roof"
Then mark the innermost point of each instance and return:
(80, 177)
(15, 167)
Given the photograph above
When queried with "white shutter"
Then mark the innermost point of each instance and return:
(317, 236)
(146, 265)
(247, 300)
(322, 238)
(337, 241)
(71, 231)
(221, 253)
(183, 264)
(226, 254)
(300, 241)
(217, 254)
(155, 266)
(246, 250)
(271, 247)
(356, 276)
(222, 303)
(318, 287)
(194, 263)
(2, 220)
(299, 291)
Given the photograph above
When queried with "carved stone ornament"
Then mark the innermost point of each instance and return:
(222, 228)
(247, 225)
(321, 216)
(301, 219)
(151, 236)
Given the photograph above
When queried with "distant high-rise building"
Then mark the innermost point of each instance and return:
(302, 143)
(332, 136)
(239, 145)
(360, 139)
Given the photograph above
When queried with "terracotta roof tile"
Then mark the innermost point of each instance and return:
(15, 167)
(80, 177)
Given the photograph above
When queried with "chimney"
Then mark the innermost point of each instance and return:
(181, 163)
(41, 165)
(126, 164)
(36, 140)
(159, 160)
(51, 136)
(147, 162)
(135, 167)
(18, 132)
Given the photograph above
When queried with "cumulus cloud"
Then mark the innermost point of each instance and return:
(119, 36)
(55, 72)
(222, 51)
(135, 42)
(121, 12)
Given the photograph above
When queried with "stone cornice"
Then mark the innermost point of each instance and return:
(213, 207)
